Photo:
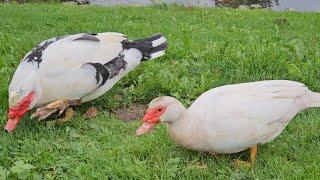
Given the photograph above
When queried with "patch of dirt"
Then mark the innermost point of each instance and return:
(130, 113)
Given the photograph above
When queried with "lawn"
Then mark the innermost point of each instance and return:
(207, 48)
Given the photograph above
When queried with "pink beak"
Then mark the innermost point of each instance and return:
(11, 125)
(145, 128)
(149, 121)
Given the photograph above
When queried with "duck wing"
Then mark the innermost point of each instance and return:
(82, 65)
(243, 115)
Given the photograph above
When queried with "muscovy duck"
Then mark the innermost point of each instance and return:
(68, 70)
(232, 118)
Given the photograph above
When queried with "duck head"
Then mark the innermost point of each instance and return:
(163, 109)
(19, 104)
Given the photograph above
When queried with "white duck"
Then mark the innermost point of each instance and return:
(232, 118)
(72, 69)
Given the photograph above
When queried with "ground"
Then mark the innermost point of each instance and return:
(207, 48)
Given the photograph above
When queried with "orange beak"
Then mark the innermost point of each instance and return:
(150, 119)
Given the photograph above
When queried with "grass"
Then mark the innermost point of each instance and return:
(207, 48)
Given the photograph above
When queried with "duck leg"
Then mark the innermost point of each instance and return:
(253, 154)
(251, 161)
(69, 113)
(60, 105)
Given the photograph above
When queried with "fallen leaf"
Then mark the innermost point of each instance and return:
(91, 112)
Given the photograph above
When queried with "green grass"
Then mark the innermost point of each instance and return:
(207, 48)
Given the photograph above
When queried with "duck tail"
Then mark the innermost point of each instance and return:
(151, 47)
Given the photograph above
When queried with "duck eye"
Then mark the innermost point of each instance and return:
(160, 109)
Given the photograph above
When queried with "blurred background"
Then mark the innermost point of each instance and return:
(278, 5)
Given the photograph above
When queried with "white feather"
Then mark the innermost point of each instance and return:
(157, 54)
(232, 118)
(159, 41)
(62, 72)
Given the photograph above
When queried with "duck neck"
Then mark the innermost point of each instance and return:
(182, 130)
